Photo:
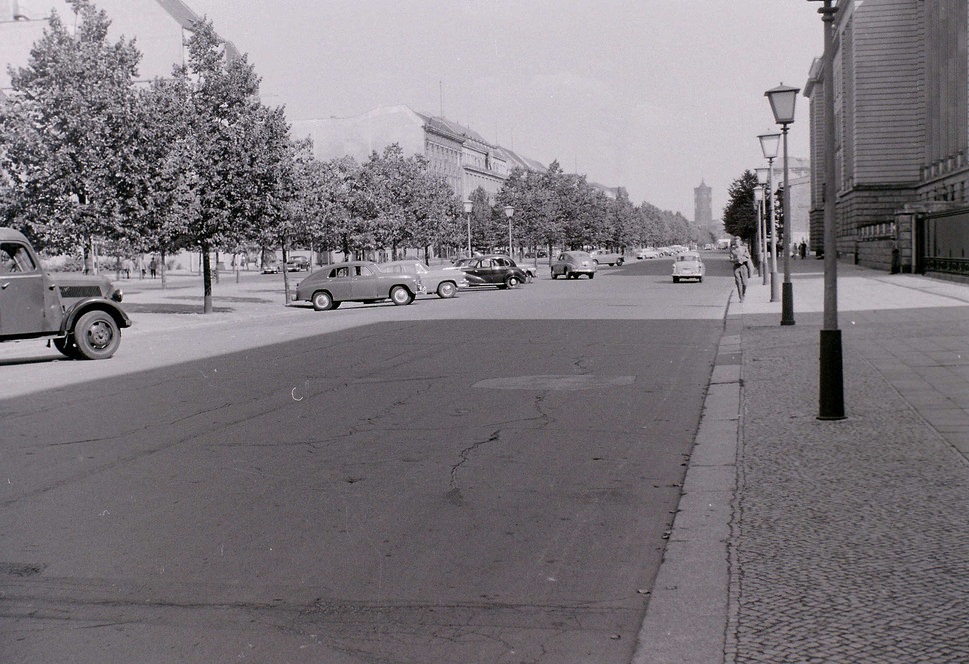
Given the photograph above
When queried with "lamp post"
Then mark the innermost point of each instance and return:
(831, 404)
(768, 145)
(762, 175)
(782, 100)
(758, 204)
(509, 211)
(468, 206)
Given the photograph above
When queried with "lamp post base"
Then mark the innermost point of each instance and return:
(787, 304)
(831, 377)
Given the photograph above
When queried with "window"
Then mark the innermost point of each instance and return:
(15, 258)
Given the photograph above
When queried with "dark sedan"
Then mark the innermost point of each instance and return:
(492, 270)
(356, 281)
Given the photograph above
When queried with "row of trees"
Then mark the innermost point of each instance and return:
(196, 161)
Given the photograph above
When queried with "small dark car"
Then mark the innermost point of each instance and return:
(356, 281)
(79, 314)
(492, 270)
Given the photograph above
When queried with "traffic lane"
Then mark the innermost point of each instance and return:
(366, 481)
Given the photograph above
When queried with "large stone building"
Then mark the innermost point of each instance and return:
(458, 153)
(901, 135)
(159, 28)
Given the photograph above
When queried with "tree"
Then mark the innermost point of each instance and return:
(238, 148)
(68, 135)
(739, 215)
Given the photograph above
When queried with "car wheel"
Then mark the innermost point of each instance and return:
(700, 280)
(512, 282)
(96, 336)
(620, 261)
(400, 295)
(568, 274)
(446, 289)
(322, 301)
(595, 260)
(592, 275)
(67, 348)
(676, 280)
(555, 275)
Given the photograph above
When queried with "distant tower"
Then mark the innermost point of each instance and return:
(702, 209)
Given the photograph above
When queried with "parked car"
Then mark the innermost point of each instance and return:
(688, 265)
(270, 268)
(298, 264)
(647, 253)
(573, 264)
(356, 281)
(492, 270)
(443, 281)
(81, 315)
(602, 257)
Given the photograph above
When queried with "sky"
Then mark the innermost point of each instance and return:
(651, 95)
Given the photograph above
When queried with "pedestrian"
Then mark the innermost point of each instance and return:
(740, 258)
(802, 249)
(140, 266)
(153, 267)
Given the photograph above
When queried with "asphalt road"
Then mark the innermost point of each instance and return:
(483, 479)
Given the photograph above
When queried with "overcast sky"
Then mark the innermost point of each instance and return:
(652, 95)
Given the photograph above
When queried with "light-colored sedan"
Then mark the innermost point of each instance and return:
(688, 265)
(444, 281)
(573, 264)
(356, 281)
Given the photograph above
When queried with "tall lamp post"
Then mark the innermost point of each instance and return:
(758, 206)
(509, 211)
(762, 175)
(468, 206)
(782, 100)
(768, 145)
(831, 404)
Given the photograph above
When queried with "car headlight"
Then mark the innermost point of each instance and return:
(117, 295)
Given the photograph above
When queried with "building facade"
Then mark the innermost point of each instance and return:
(459, 154)
(901, 135)
(160, 29)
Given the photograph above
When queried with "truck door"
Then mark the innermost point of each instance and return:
(21, 291)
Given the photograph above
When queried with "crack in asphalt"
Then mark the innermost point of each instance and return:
(454, 493)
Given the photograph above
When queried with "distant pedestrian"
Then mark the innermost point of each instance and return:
(153, 268)
(802, 249)
(740, 258)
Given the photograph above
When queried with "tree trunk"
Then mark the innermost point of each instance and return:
(206, 281)
(285, 274)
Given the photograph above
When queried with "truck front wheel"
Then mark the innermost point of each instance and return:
(96, 336)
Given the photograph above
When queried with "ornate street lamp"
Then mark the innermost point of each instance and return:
(831, 404)
(763, 175)
(509, 211)
(468, 206)
(782, 99)
(758, 205)
(768, 145)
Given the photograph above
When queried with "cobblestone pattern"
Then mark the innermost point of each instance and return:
(849, 545)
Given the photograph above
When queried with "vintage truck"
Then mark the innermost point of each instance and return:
(80, 315)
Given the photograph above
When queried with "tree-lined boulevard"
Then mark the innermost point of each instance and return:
(488, 478)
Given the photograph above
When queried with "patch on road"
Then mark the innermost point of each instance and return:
(553, 382)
